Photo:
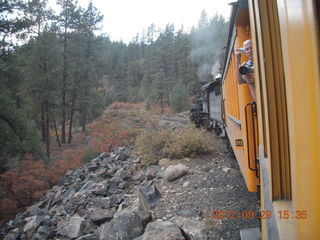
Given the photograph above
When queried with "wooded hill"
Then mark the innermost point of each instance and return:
(58, 71)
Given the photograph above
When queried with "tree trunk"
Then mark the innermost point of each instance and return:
(64, 83)
(46, 108)
(72, 108)
(56, 130)
(47, 128)
(84, 121)
(84, 113)
(70, 126)
(161, 104)
(43, 124)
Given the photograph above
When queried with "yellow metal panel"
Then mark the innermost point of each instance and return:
(300, 47)
(277, 109)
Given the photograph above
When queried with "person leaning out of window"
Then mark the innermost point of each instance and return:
(245, 73)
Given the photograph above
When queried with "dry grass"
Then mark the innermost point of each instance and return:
(186, 142)
(151, 144)
(189, 142)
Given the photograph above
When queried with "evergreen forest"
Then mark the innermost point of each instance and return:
(58, 71)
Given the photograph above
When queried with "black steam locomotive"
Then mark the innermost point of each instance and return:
(206, 110)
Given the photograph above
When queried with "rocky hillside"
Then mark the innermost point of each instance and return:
(115, 197)
(107, 198)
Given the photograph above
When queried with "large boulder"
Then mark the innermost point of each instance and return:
(149, 197)
(159, 230)
(72, 228)
(164, 162)
(126, 225)
(100, 216)
(175, 172)
(195, 229)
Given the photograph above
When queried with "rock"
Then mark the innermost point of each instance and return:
(19, 221)
(149, 197)
(43, 233)
(101, 189)
(126, 225)
(163, 162)
(168, 216)
(57, 198)
(46, 220)
(103, 155)
(185, 184)
(125, 185)
(196, 230)
(160, 175)
(152, 171)
(124, 174)
(114, 182)
(92, 168)
(76, 203)
(72, 228)
(102, 202)
(139, 176)
(66, 194)
(161, 230)
(115, 200)
(87, 227)
(122, 206)
(35, 210)
(92, 176)
(225, 169)
(31, 225)
(11, 236)
(121, 157)
(44, 230)
(102, 171)
(91, 236)
(136, 160)
(175, 172)
(87, 186)
(101, 215)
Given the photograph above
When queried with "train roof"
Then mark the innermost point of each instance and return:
(236, 6)
(211, 85)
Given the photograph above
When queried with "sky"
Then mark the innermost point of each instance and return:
(123, 19)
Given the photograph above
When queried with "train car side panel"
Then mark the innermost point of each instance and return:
(300, 38)
(239, 116)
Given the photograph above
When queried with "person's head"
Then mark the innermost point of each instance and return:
(247, 45)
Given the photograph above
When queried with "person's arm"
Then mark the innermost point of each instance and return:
(249, 78)
(237, 54)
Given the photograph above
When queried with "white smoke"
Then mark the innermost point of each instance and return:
(215, 69)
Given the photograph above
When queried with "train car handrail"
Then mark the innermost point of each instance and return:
(253, 106)
(236, 121)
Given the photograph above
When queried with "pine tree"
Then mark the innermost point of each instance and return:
(66, 21)
(89, 22)
(18, 133)
(179, 97)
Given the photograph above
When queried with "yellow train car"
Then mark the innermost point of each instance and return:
(275, 134)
